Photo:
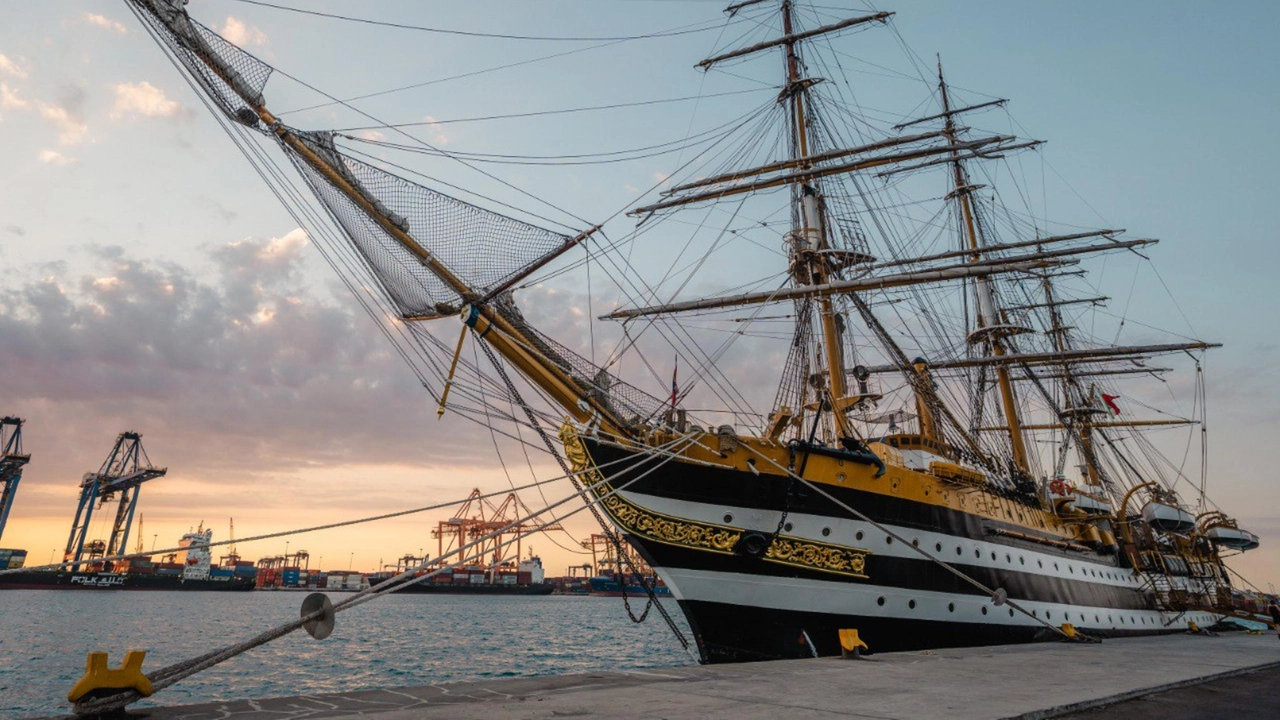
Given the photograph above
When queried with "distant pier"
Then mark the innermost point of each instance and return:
(1179, 676)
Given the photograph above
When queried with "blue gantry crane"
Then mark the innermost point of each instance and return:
(119, 478)
(11, 463)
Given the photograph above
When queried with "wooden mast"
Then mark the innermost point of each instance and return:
(810, 239)
(988, 321)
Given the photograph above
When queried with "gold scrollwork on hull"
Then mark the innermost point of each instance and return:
(707, 537)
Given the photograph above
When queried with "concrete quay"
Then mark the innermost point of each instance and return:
(1183, 675)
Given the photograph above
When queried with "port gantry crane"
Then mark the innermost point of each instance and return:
(119, 478)
(11, 463)
(486, 519)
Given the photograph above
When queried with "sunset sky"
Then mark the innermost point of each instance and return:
(149, 282)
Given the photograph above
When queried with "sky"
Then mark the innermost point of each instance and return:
(149, 282)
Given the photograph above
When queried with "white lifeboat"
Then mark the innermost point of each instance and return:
(1168, 518)
(1090, 503)
(1233, 538)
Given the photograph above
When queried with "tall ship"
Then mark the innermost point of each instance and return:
(107, 565)
(908, 413)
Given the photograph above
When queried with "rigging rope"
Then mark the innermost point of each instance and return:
(166, 676)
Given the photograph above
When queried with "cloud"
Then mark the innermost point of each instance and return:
(439, 138)
(371, 135)
(9, 99)
(9, 67)
(65, 114)
(105, 23)
(238, 32)
(15, 230)
(53, 157)
(142, 100)
(241, 368)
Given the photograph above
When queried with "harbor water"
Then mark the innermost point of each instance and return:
(394, 641)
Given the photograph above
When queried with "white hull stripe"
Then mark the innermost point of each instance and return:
(861, 599)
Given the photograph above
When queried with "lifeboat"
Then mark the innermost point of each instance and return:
(1090, 503)
(1234, 538)
(1168, 518)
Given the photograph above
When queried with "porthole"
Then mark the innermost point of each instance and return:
(826, 531)
(880, 600)
(1048, 615)
(1072, 569)
(937, 547)
(977, 553)
(858, 535)
(1022, 560)
(951, 607)
(1095, 619)
(1111, 619)
(915, 542)
(1040, 563)
(958, 550)
(993, 557)
(888, 539)
(728, 517)
(984, 609)
(1055, 566)
(1010, 612)
(1008, 558)
(787, 527)
(911, 604)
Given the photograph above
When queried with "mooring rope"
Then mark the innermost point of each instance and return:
(166, 676)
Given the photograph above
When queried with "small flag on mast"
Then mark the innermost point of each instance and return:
(1110, 400)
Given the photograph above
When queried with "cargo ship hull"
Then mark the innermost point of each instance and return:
(442, 588)
(37, 580)
(608, 587)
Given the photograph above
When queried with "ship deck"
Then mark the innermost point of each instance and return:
(1179, 675)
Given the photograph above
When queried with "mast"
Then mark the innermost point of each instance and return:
(990, 330)
(810, 238)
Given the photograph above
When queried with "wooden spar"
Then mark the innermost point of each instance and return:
(950, 113)
(1104, 424)
(570, 244)
(1099, 300)
(792, 38)
(509, 341)
(1094, 373)
(975, 269)
(799, 162)
(815, 173)
(831, 288)
(986, 155)
(1053, 239)
(1083, 355)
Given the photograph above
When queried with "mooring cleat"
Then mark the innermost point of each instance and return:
(851, 646)
(1071, 632)
(97, 676)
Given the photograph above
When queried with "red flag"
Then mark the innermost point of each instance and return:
(1110, 400)
(675, 389)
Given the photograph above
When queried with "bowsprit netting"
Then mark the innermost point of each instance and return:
(482, 248)
(247, 77)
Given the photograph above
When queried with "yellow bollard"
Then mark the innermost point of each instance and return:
(851, 646)
(97, 676)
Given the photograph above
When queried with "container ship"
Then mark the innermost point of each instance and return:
(119, 479)
(614, 585)
(525, 578)
(188, 570)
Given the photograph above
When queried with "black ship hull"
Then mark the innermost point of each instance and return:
(438, 588)
(826, 571)
(37, 580)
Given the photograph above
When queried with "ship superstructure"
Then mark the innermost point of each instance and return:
(942, 462)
